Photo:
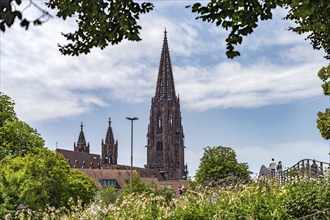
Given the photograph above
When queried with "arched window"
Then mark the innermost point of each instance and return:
(171, 120)
(159, 123)
(159, 146)
(159, 152)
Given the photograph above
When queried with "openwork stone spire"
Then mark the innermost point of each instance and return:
(165, 148)
(81, 145)
(109, 147)
(165, 89)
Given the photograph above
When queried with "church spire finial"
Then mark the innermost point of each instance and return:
(165, 84)
(81, 145)
(109, 135)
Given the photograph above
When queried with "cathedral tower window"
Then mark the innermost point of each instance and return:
(159, 152)
(159, 123)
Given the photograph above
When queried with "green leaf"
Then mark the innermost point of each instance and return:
(25, 23)
(196, 7)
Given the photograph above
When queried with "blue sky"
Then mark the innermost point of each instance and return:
(262, 104)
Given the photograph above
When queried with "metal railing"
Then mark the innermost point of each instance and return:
(306, 168)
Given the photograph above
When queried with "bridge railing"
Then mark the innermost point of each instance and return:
(306, 168)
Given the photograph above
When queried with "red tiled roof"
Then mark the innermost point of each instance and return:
(143, 172)
(78, 159)
(98, 174)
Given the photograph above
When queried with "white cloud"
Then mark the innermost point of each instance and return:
(39, 78)
(230, 84)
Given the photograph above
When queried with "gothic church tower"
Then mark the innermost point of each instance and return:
(109, 147)
(81, 145)
(165, 148)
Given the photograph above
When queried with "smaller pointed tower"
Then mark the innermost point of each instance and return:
(81, 145)
(109, 147)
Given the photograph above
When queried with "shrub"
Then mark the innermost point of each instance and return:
(267, 199)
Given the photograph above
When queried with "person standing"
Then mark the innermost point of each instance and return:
(279, 167)
(272, 167)
(314, 169)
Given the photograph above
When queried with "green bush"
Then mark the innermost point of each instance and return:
(307, 196)
(36, 181)
(266, 199)
(108, 195)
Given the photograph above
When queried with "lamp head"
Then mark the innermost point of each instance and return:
(132, 118)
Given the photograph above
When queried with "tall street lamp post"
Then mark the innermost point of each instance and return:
(131, 119)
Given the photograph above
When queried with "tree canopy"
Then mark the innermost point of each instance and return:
(7, 112)
(16, 137)
(104, 22)
(30, 174)
(9, 12)
(100, 22)
(218, 163)
(39, 180)
(242, 17)
(323, 118)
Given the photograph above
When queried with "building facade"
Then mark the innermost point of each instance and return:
(165, 147)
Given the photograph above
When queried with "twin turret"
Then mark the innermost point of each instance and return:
(109, 146)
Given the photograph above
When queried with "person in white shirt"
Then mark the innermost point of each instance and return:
(272, 167)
